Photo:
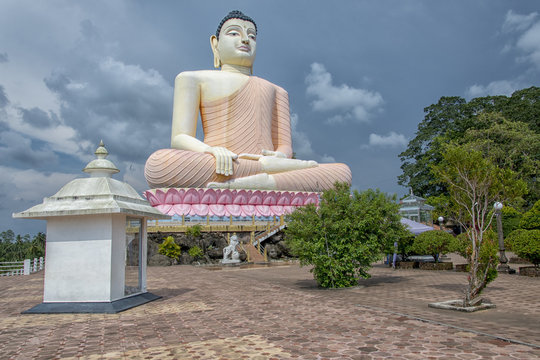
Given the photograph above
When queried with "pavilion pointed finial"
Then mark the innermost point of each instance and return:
(101, 166)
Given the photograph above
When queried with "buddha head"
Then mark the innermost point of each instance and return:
(235, 40)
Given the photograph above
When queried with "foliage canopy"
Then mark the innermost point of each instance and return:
(474, 184)
(526, 244)
(344, 235)
(504, 128)
(432, 242)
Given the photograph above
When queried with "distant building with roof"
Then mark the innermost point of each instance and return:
(415, 208)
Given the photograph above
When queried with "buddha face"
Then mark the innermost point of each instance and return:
(236, 44)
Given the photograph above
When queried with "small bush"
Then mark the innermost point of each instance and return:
(170, 248)
(526, 244)
(531, 219)
(433, 243)
(196, 252)
(194, 231)
(488, 252)
(461, 245)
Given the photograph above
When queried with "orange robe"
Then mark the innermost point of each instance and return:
(254, 118)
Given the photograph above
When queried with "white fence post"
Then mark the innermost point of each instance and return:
(26, 268)
(34, 265)
(41, 263)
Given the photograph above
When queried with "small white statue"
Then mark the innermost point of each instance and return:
(230, 254)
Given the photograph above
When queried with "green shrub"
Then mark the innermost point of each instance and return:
(526, 245)
(531, 219)
(170, 248)
(489, 256)
(195, 252)
(488, 252)
(461, 245)
(432, 242)
(510, 220)
(344, 235)
(194, 231)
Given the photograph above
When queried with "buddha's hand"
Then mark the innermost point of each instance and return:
(224, 159)
(278, 154)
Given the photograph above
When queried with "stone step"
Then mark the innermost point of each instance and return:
(254, 255)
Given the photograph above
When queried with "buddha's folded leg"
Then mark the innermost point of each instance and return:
(320, 178)
(180, 168)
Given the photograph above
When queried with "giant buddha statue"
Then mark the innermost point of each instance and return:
(246, 122)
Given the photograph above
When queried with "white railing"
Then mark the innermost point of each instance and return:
(25, 267)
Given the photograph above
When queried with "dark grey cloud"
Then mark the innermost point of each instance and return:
(3, 97)
(19, 151)
(4, 57)
(125, 105)
(39, 118)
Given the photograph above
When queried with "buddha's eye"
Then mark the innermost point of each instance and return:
(252, 37)
(233, 33)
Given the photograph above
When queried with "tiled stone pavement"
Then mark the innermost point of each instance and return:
(279, 313)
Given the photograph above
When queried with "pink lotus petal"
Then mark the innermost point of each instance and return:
(209, 197)
(312, 198)
(249, 210)
(192, 197)
(174, 196)
(256, 198)
(263, 210)
(182, 209)
(277, 210)
(200, 209)
(270, 198)
(288, 209)
(164, 208)
(241, 197)
(152, 199)
(298, 199)
(225, 197)
(216, 209)
(284, 198)
(160, 195)
(234, 210)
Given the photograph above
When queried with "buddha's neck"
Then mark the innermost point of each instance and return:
(236, 69)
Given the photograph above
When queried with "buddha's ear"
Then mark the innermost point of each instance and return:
(214, 44)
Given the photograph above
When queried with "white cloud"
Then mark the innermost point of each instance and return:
(393, 139)
(529, 44)
(31, 185)
(517, 22)
(524, 44)
(350, 103)
(328, 159)
(301, 143)
(501, 87)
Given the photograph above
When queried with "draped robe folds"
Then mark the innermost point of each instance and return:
(254, 118)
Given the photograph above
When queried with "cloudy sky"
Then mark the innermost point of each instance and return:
(358, 73)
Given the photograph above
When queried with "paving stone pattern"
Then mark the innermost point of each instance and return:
(280, 313)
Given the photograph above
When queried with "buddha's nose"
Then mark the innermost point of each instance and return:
(245, 39)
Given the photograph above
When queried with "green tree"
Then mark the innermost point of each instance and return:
(526, 245)
(433, 242)
(475, 183)
(510, 220)
(531, 219)
(344, 235)
(509, 126)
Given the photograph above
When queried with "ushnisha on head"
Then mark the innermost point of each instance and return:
(235, 41)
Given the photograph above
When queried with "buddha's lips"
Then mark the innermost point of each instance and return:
(244, 48)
